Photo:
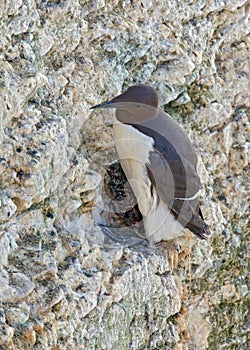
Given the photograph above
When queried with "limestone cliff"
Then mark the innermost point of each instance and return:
(61, 285)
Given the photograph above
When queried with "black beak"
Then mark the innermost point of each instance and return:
(103, 105)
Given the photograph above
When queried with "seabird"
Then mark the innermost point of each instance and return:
(160, 164)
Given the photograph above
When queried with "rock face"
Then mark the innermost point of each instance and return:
(63, 285)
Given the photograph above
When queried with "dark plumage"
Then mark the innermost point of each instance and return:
(160, 163)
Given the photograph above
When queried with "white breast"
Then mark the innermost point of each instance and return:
(133, 150)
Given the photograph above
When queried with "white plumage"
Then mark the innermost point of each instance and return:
(160, 164)
(133, 149)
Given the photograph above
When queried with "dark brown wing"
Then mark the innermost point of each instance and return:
(172, 171)
(171, 180)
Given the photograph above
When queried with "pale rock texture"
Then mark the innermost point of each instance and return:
(62, 286)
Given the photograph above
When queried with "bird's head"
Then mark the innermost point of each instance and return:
(137, 104)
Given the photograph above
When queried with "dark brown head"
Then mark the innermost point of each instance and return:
(141, 94)
(137, 104)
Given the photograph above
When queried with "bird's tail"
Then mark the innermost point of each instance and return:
(198, 226)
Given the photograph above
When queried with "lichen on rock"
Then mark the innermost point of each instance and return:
(63, 283)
